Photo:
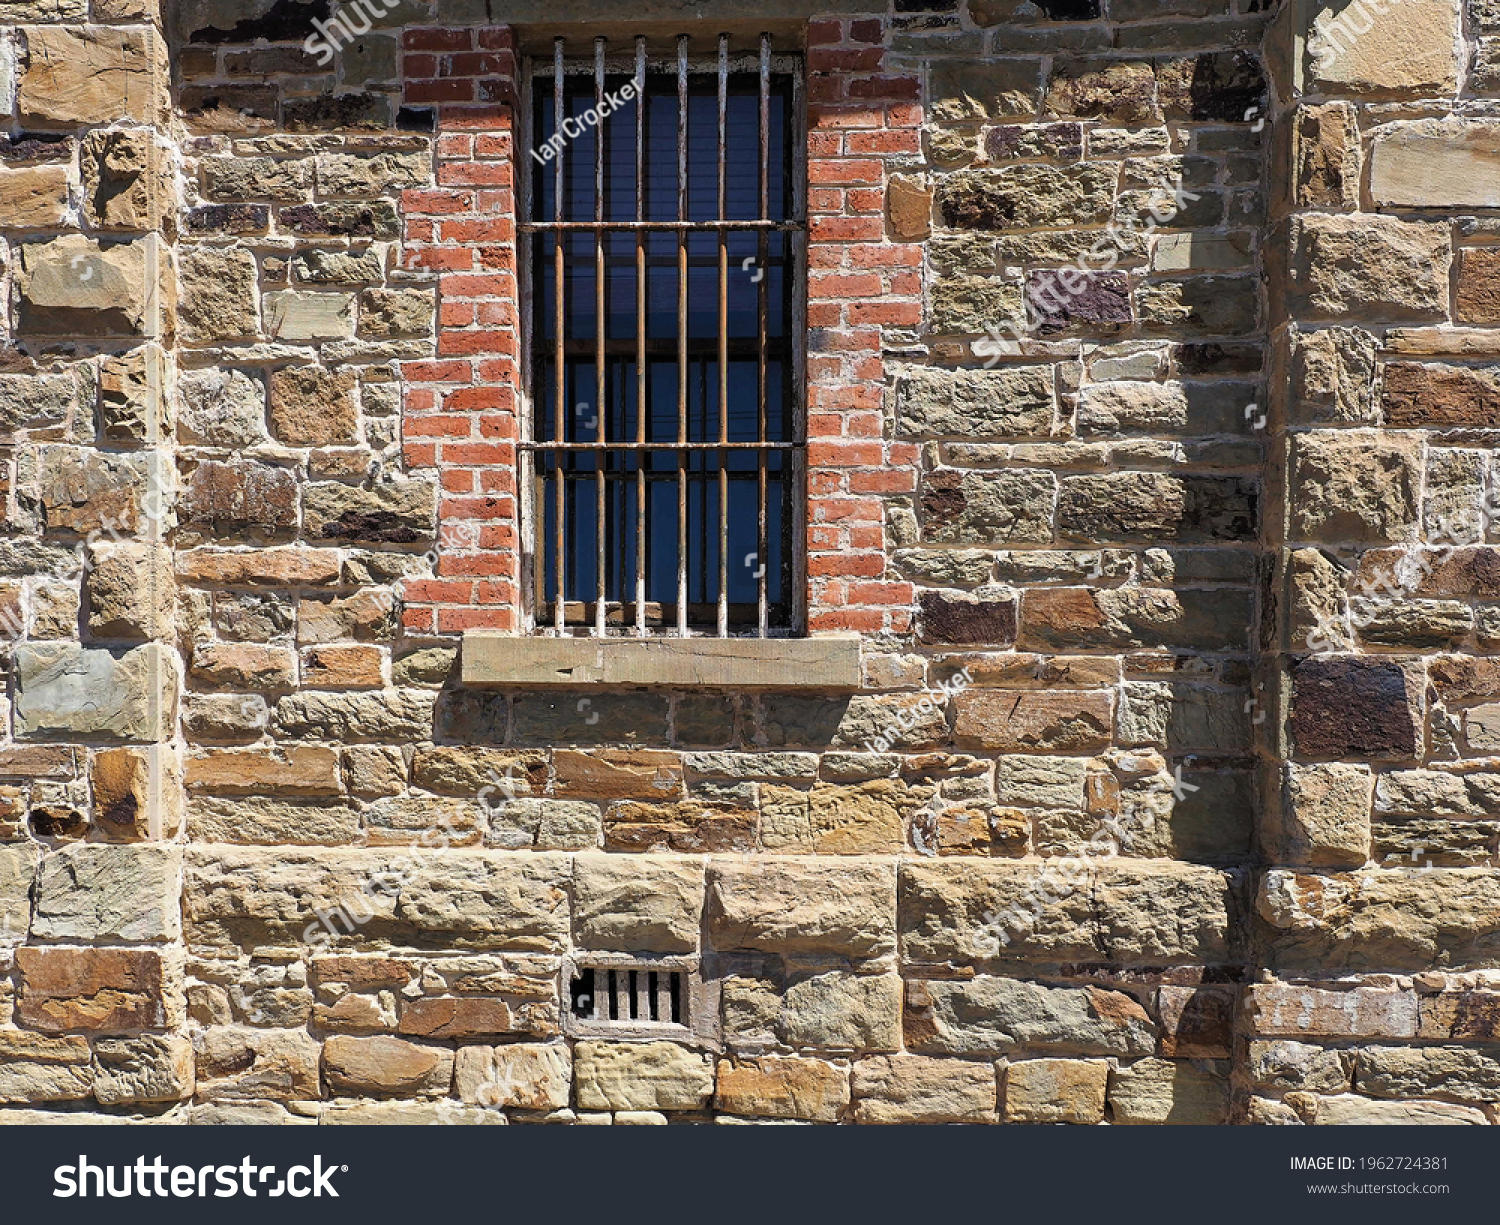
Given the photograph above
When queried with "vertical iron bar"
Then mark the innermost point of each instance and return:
(559, 530)
(682, 334)
(763, 301)
(600, 307)
(723, 456)
(640, 337)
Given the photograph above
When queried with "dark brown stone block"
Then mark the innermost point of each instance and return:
(1352, 708)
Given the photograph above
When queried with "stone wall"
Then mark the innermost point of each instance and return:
(264, 858)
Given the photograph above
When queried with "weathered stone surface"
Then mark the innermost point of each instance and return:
(312, 407)
(1031, 722)
(244, 666)
(125, 185)
(681, 825)
(269, 822)
(1353, 707)
(1324, 816)
(126, 893)
(523, 1076)
(386, 1066)
(131, 591)
(65, 689)
(86, 491)
(1026, 197)
(17, 870)
(1435, 163)
(397, 512)
(1407, 50)
(1327, 157)
(1197, 1022)
(387, 314)
(256, 1064)
(239, 497)
(222, 408)
(911, 1089)
(987, 1015)
(75, 286)
(1344, 266)
(630, 906)
(1460, 1016)
(1005, 403)
(1448, 1072)
(1428, 395)
(1157, 1091)
(987, 507)
(91, 74)
(1333, 375)
(864, 818)
(641, 1076)
(465, 898)
(98, 990)
(1151, 507)
(1383, 920)
(145, 1069)
(445, 1018)
(34, 198)
(1118, 91)
(1123, 911)
(392, 715)
(959, 617)
(1298, 1066)
(1055, 1091)
(1362, 1112)
(1363, 1012)
(219, 299)
(23, 1081)
(843, 1012)
(784, 1088)
(795, 906)
(302, 771)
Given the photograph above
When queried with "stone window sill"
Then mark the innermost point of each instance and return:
(829, 662)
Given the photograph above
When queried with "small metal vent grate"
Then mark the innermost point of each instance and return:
(622, 994)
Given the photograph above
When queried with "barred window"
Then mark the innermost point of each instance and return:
(665, 221)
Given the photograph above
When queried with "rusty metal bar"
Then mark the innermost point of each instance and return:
(560, 356)
(723, 336)
(682, 333)
(601, 414)
(640, 334)
(769, 226)
(763, 309)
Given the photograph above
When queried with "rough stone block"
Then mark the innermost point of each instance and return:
(912, 1089)
(843, 1012)
(79, 75)
(1324, 817)
(94, 892)
(98, 990)
(1345, 706)
(382, 1066)
(652, 906)
(1158, 1091)
(145, 1069)
(802, 906)
(1056, 1091)
(1369, 266)
(641, 1076)
(995, 1016)
(523, 1076)
(65, 689)
(75, 286)
(783, 1088)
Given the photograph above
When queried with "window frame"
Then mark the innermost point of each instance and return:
(789, 65)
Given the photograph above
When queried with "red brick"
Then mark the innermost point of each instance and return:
(439, 91)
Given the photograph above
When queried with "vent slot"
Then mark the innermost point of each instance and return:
(618, 994)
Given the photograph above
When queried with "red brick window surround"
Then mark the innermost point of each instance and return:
(464, 413)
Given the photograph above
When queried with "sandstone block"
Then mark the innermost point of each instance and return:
(1196, 1022)
(1452, 1072)
(131, 591)
(1369, 265)
(389, 314)
(641, 1076)
(94, 892)
(802, 906)
(221, 408)
(523, 1076)
(1357, 485)
(98, 990)
(397, 512)
(145, 1069)
(219, 300)
(79, 75)
(1153, 507)
(65, 689)
(445, 1018)
(244, 666)
(843, 1012)
(382, 1066)
(17, 870)
(786, 1088)
(75, 286)
(1005, 403)
(391, 715)
(1163, 1091)
(253, 1065)
(34, 198)
(343, 667)
(1435, 163)
(1355, 1111)
(830, 819)
(1333, 375)
(264, 821)
(986, 1015)
(1327, 157)
(987, 507)
(44, 1082)
(1298, 1066)
(1056, 1091)
(1354, 707)
(1027, 196)
(1032, 722)
(912, 1089)
(125, 180)
(312, 407)
(239, 497)
(295, 771)
(1125, 911)
(1325, 818)
(1385, 920)
(651, 906)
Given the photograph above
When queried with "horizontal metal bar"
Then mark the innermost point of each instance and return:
(658, 446)
(669, 226)
(741, 63)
